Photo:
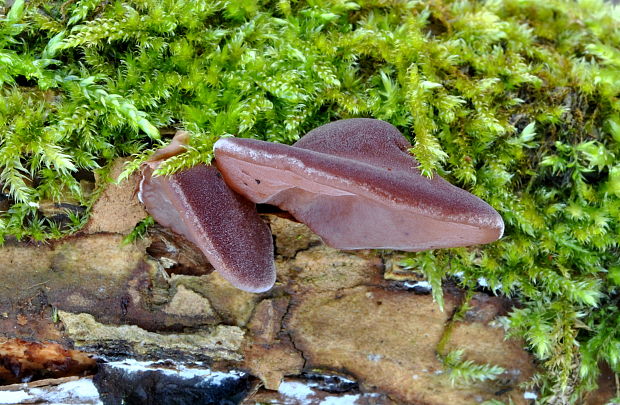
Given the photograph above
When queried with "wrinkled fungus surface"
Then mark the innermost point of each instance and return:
(197, 204)
(354, 184)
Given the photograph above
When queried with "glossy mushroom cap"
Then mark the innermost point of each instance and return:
(355, 185)
(198, 205)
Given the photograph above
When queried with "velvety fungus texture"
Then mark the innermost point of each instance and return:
(355, 185)
(198, 205)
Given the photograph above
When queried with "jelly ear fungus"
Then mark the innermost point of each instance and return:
(355, 185)
(198, 205)
(353, 182)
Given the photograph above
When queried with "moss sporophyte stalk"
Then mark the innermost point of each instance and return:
(515, 101)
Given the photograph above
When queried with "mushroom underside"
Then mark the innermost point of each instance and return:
(348, 220)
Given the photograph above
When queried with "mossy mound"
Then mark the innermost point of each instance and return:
(513, 100)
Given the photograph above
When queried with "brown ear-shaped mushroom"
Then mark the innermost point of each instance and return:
(355, 185)
(198, 205)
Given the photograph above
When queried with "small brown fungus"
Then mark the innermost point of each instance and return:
(354, 183)
(198, 205)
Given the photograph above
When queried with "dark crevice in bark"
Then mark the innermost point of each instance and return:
(287, 332)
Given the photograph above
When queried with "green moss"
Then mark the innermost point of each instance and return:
(464, 372)
(513, 100)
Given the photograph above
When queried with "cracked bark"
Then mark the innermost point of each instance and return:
(284, 330)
